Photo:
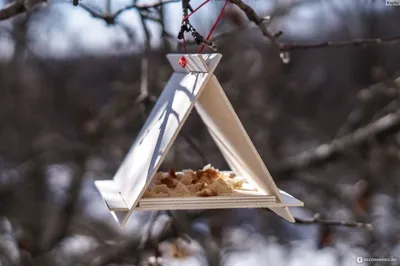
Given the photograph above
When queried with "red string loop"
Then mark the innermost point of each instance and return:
(182, 60)
(214, 26)
(197, 8)
(187, 17)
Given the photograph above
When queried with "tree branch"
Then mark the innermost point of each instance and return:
(147, 235)
(329, 44)
(18, 7)
(260, 22)
(110, 19)
(12, 9)
(286, 47)
(317, 220)
(339, 145)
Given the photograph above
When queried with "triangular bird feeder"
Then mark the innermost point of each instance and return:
(193, 84)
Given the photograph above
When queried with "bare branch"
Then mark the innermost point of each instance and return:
(12, 9)
(328, 44)
(364, 98)
(18, 7)
(260, 22)
(186, 26)
(144, 7)
(147, 235)
(285, 47)
(339, 145)
(195, 147)
(317, 220)
(91, 11)
(107, 8)
(110, 19)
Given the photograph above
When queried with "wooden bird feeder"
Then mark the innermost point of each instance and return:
(192, 85)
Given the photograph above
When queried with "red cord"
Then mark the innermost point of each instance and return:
(186, 17)
(182, 61)
(215, 25)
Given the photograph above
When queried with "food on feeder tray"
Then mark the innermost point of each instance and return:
(206, 182)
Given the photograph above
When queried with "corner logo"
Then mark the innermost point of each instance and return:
(393, 2)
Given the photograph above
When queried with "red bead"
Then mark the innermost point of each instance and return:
(182, 61)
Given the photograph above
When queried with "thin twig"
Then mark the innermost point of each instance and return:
(107, 8)
(164, 34)
(260, 22)
(329, 44)
(286, 47)
(317, 220)
(143, 98)
(146, 236)
(195, 147)
(364, 99)
(110, 19)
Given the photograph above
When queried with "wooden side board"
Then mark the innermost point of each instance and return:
(157, 135)
(203, 206)
(268, 202)
(232, 139)
(110, 192)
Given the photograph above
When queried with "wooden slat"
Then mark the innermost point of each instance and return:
(203, 206)
(197, 65)
(232, 139)
(210, 61)
(289, 200)
(110, 194)
(219, 201)
(203, 62)
(120, 217)
(180, 200)
(234, 196)
(157, 135)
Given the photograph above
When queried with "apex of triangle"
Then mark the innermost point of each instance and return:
(196, 63)
(193, 85)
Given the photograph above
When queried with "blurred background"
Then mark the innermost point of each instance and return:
(76, 85)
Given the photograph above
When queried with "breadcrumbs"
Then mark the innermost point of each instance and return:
(207, 182)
